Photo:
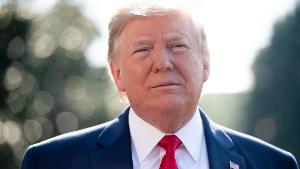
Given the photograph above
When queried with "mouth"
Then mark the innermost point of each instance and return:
(168, 84)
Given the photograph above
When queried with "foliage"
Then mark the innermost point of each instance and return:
(47, 87)
(274, 105)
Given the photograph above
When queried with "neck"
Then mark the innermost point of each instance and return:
(167, 121)
(169, 126)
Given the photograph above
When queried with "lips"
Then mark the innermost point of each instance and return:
(165, 84)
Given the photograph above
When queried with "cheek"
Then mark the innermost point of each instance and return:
(196, 75)
(193, 75)
(134, 75)
(193, 67)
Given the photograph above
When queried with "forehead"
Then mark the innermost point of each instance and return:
(150, 27)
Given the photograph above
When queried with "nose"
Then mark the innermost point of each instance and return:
(162, 60)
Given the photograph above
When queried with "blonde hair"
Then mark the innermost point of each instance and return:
(149, 8)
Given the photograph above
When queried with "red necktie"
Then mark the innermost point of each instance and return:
(170, 143)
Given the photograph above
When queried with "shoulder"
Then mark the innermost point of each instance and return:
(63, 149)
(254, 149)
(79, 136)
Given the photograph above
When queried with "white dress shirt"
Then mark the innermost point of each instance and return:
(146, 154)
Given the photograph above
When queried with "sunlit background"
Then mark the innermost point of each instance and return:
(53, 76)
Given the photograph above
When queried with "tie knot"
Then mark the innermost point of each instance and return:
(170, 143)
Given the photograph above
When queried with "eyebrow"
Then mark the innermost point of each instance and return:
(170, 37)
(142, 41)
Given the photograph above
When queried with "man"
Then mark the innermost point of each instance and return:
(159, 60)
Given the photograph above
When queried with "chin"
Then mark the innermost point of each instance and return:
(169, 103)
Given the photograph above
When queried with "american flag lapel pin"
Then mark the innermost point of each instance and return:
(233, 165)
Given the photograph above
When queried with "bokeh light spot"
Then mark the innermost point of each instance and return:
(84, 108)
(266, 129)
(14, 131)
(13, 78)
(16, 48)
(16, 102)
(32, 130)
(66, 122)
(42, 46)
(3, 133)
(29, 85)
(71, 38)
(47, 127)
(75, 88)
(43, 102)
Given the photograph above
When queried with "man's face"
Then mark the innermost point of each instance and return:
(159, 65)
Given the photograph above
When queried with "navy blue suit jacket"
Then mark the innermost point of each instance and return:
(108, 146)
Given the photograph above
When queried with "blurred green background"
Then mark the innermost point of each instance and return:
(47, 87)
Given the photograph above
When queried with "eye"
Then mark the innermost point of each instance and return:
(178, 48)
(178, 45)
(141, 50)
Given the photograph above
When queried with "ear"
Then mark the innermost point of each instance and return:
(116, 73)
(206, 67)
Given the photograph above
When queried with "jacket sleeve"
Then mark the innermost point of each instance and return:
(28, 161)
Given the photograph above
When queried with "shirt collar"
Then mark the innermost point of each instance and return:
(192, 135)
(145, 136)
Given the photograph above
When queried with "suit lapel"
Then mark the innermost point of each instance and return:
(114, 146)
(220, 148)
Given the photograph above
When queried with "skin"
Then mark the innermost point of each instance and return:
(160, 69)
